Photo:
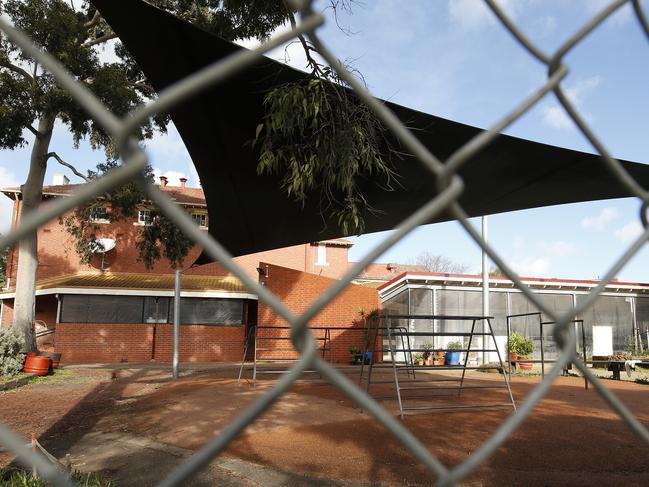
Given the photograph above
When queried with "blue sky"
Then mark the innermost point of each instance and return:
(453, 59)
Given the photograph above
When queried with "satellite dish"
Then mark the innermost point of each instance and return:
(102, 245)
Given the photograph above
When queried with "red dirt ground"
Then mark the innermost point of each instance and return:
(571, 438)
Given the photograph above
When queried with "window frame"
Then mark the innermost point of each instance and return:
(144, 223)
(99, 219)
(200, 219)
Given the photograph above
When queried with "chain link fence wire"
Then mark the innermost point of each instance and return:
(450, 187)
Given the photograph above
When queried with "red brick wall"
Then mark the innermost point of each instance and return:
(91, 343)
(57, 256)
(298, 290)
(86, 342)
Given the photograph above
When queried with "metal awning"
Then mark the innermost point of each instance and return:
(251, 213)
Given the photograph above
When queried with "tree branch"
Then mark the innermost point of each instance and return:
(34, 131)
(94, 21)
(315, 66)
(69, 166)
(144, 86)
(16, 69)
(100, 40)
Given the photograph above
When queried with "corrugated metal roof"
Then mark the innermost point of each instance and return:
(165, 282)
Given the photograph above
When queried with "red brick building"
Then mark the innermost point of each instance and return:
(114, 309)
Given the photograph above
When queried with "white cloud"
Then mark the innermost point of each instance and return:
(556, 117)
(169, 146)
(472, 14)
(173, 177)
(559, 248)
(629, 232)
(7, 180)
(601, 221)
(532, 266)
(554, 114)
(194, 179)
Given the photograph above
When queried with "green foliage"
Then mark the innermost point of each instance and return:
(520, 345)
(11, 360)
(230, 19)
(324, 141)
(28, 93)
(456, 345)
(160, 238)
(354, 350)
(20, 478)
(428, 347)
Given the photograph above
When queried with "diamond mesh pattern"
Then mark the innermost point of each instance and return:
(450, 188)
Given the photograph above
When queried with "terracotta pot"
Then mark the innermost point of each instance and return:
(56, 357)
(38, 365)
(526, 365)
(430, 360)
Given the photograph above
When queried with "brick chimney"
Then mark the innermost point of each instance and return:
(163, 181)
(60, 180)
(183, 183)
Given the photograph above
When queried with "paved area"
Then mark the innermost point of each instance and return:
(134, 425)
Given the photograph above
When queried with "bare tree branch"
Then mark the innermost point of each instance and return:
(69, 166)
(144, 86)
(94, 21)
(312, 63)
(34, 131)
(100, 40)
(4, 62)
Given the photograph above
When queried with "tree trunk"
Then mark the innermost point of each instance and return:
(32, 191)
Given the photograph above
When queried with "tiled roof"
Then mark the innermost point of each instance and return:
(187, 196)
(148, 282)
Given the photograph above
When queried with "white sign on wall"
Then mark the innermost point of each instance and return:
(602, 340)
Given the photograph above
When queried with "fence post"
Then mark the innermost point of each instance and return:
(176, 323)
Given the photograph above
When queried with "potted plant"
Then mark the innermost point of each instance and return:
(520, 347)
(441, 358)
(419, 358)
(453, 356)
(357, 355)
(428, 354)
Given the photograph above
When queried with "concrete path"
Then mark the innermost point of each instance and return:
(137, 461)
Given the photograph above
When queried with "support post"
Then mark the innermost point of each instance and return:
(485, 291)
(176, 324)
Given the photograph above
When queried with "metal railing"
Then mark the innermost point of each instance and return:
(450, 187)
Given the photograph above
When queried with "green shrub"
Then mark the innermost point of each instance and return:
(456, 345)
(11, 360)
(520, 345)
(20, 478)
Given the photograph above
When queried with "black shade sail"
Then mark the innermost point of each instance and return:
(251, 213)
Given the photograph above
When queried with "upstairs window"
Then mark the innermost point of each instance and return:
(200, 219)
(99, 214)
(144, 217)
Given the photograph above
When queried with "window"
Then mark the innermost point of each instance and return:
(321, 256)
(209, 311)
(101, 309)
(99, 214)
(144, 217)
(200, 219)
(156, 310)
(76, 308)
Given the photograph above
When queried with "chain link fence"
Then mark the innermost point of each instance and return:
(450, 187)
